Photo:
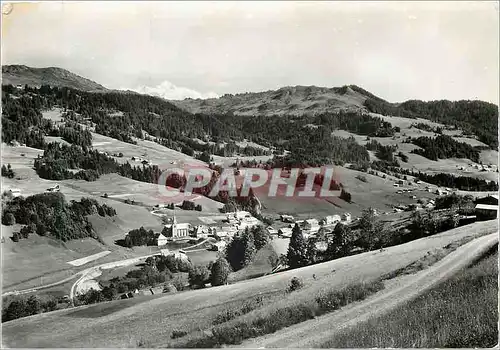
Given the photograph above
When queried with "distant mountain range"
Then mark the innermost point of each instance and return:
(296, 100)
(475, 117)
(290, 100)
(53, 76)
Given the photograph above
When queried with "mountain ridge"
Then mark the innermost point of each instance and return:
(289, 100)
(54, 76)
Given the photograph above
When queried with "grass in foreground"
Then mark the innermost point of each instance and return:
(461, 312)
(232, 327)
(428, 260)
(236, 332)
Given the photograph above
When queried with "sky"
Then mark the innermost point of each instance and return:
(396, 50)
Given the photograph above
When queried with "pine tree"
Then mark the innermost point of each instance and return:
(297, 249)
(339, 245)
(219, 272)
(261, 237)
(312, 251)
(249, 244)
(371, 230)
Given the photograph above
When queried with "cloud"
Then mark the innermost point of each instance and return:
(169, 91)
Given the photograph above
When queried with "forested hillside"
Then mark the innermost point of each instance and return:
(176, 128)
(473, 117)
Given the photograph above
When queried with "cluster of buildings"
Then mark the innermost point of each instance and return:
(480, 167)
(309, 227)
(139, 159)
(230, 226)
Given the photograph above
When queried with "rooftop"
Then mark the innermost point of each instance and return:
(487, 207)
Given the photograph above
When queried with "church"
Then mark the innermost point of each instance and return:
(176, 230)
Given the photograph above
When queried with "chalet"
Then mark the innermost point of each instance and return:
(225, 231)
(287, 218)
(487, 207)
(219, 246)
(272, 231)
(15, 192)
(311, 225)
(486, 211)
(248, 221)
(346, 217)
(331, 219)
(54, 188)
(492, 200)
(201, 231)
(285, 232)
(161, 240)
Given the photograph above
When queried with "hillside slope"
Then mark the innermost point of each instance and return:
(152, 319)
(53, 76)
(292, 100)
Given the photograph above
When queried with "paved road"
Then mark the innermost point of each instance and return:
(315, 332)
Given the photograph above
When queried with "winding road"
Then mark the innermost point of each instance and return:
(92, 272)
(314, 333)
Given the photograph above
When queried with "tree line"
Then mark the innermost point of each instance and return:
(48, 214)
(443, 147)
(473, 117)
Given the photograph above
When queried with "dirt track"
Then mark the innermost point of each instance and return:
(313, 333)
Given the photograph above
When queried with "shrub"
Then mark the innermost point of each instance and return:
(15, 237)
(295, 284)
(178, 334)
(345, 196)
(8, 219)
(361, 178)
(198, 276)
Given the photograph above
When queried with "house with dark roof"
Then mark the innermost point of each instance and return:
(487, 208)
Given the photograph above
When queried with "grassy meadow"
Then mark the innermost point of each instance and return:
(461, 312)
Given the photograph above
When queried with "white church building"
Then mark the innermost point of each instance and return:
(176, 230)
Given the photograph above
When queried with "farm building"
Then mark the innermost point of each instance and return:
(492, 199)
(311, 225)
(272, 231)
(15, 192)
(287, 218)
(225, 231)
(248, 221)
(331, 219)
(161, 240)
(285, 232)
(201, 231)
(486, 211)
(487, 207)
(219, 246)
